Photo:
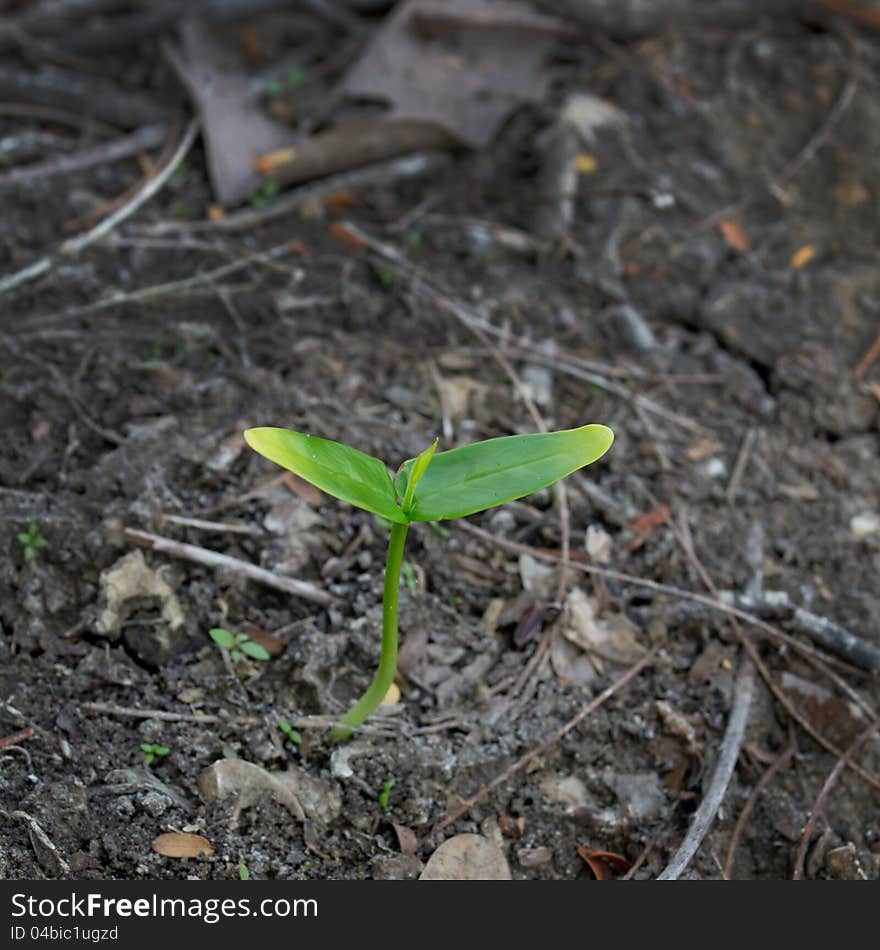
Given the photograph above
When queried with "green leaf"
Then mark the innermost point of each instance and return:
(474, 477)
(406, 484)
(341, 471)
(253, 650)
(223, 638)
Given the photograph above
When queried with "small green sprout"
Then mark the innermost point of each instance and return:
(32, 541)
(385, 794)
(434, 486)
(229, 752)
(152, 752)
(239, 645)
(243, 873)
(265, 193)
(289, 731)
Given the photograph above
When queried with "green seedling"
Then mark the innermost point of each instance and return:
(153, 752)
(385, 794)
(265, 193)
(434, 486)
(239, 645)
(243, 873)
(32, 541)
(289, 731)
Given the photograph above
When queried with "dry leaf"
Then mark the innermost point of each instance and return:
(303, 489)
(702, 449)
(406, 839)
(268, 163)
(272, 645)
(338, 201)
(802, 257)
(179, 844)
(610, 637)
(511, 827)
(733, 233)
(604, 864)
(344, 235)
(467, 858)
(465, 81)
(646, 523)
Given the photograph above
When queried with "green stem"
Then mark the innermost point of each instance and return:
(388, 658)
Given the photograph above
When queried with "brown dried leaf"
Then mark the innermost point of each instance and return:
(604, 864)
(733, 233)
(179, 844)
(467, 857)
(406, 839)
(467, 81)
(802, 256)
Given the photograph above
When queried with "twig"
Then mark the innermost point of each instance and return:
(298, 722)
(190, 552)
(221, 527)
(74, 245)
(867, 360)
(728, 754)
(522, 762)
(682, 594)
(147, 137)
(741, 461)
(780, 762)
(16, 737)
(446, 301)
(198, 282)
(833, 776)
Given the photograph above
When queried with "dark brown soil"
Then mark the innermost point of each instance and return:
(129, 416)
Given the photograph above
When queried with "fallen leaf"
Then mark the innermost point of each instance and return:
(836, 719)
(646, 523)
(179, 844)
(733, 233)
(272, 645)
(268, 163)
(342, 234)
(338, 201)
(610, 637)
(466, 81)
(406, 839)
(702, 449)
(604, 864)
(511, 827)
(802, 257)
(216, 212)
(303, 795)
(467, 857)
(303, 489)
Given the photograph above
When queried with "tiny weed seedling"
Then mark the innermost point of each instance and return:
(385, 794)
(239, 645)
(289, 731)
(431, 487)
(32, 541)
(153, 752)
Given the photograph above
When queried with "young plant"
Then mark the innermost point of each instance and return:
(431, 487)
(239, 645)
(385, 794)
(289, 731)
(152, 752)
(32, 541)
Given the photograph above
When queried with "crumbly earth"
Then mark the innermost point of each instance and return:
(722, 265)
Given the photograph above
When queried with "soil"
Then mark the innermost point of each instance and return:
(681, 282)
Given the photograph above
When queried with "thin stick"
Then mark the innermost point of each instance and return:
(680, 593)
(147, 137)
(76, 244)
(823, 794)
(521, 763)
(190, 552)
(741, 461)
(129, 712)
(780, 762)
(16, 737)
(729, 753)
(221, 527)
